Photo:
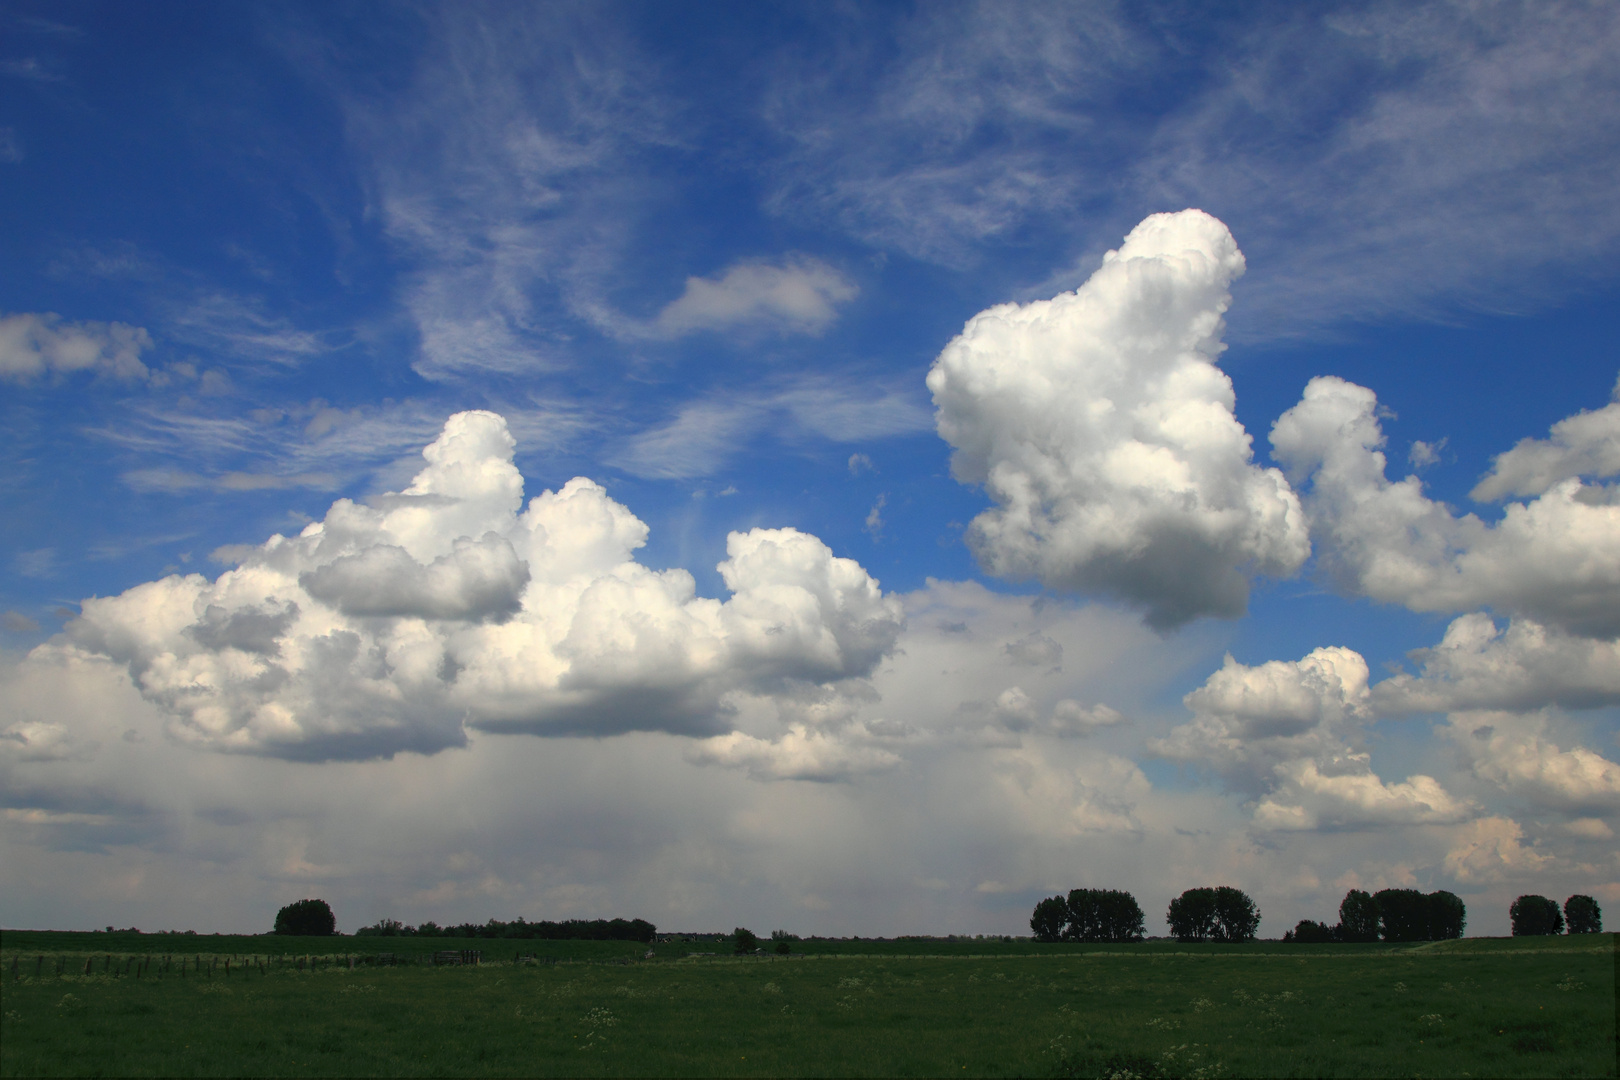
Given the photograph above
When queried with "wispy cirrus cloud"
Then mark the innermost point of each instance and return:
(704, 435)
(1377, 160)
(503, 173)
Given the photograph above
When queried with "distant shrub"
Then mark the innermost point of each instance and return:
(1535, 915)
(1583, 915)
(1308, 932)
(744, 941)
(306, 918)
(385, 928)
(1218, 914)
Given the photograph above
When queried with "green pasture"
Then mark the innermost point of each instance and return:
(1475, 1007)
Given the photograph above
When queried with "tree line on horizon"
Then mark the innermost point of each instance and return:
(314, 918)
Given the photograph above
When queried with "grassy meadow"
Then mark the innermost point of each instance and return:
(1476, 1007)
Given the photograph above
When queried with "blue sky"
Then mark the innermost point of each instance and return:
(881, 608)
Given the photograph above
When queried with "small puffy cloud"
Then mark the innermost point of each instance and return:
(800, 753)
(34, 345)
(1069, 717)
(35, 740)
(1488, 850)
(1478, 665)
(798, 295)
(1287, 731)
(1586, 444)
(874, 517)
(388, 626)
(1035, 650)
(1554, 559)
(859, 463)
(1423, 454)
(1014, 709)
(1589, 829)
(1511, 751)
(1102, 428)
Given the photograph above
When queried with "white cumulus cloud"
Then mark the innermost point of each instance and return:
(1288, 732)
(388, 626)
(1554, 559)
(1490, 850)
(1586, 444)
(800, 753)
(1102, 428)
(1511, 751)
(1478, 665)
(33, 345)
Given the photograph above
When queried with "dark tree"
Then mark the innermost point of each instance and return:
(1535, 915)
(1103, 915)
(1049, 918)
(1237, 915)
(744, 940)
(1192, 915)
(1583, 915)
(1312, 933)
(1358, 917)
(1403, 913)
(1447, 915)
(307, 918)
(1220, 914)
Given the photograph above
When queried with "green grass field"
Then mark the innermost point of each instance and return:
(1481, 1007)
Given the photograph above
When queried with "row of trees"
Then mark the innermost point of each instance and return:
(1210, 914)
(1388, 915)
(1534, 915)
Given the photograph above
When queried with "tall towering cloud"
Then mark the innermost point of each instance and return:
(387, 626)
(1102, 428)
(1554, 559)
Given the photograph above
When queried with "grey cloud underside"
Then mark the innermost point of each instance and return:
(478, 580)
